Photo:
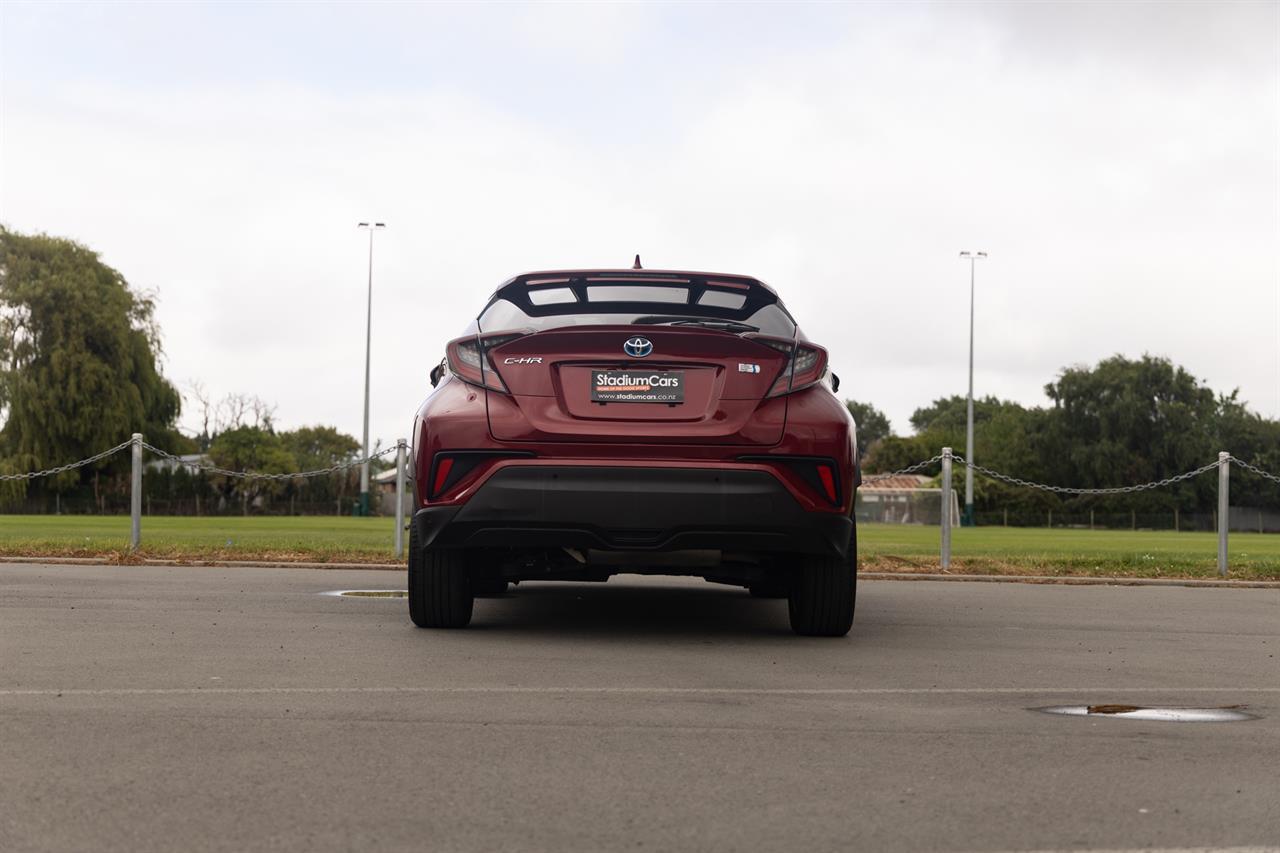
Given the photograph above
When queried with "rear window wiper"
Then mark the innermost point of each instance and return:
(709, 322)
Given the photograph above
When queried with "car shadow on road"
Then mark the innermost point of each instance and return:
(631, 610)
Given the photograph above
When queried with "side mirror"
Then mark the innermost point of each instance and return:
(437, 373)
(835, 383)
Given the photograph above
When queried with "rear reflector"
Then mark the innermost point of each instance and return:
(828, 482)
(442, 475)
(819, 473)
(452, 467)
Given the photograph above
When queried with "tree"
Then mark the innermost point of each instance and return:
(321, 447)
(1131, 421)
(872, 423)
(950, 414)
(78, 358)
(251, 449)
(1254, 439)
(896, 452)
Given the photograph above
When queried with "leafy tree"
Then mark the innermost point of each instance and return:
(1254, 439)
(320, 447)
(1131, 421)
(78, 359)
(251, 449)
(872, 423)
(896, 452)
(950, 414)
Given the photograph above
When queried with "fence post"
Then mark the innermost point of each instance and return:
(946, 508)
(135, 493)
(1224, 502)
(400, 444)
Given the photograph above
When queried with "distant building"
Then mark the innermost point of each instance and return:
(901, 499)
(190, 461)
(384, 487)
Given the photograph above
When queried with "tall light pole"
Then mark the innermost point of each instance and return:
(967, 519)
(368, 341)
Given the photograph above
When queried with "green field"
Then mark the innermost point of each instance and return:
(883, 547)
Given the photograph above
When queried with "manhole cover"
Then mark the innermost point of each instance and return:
(1228, 714)
(369, 593)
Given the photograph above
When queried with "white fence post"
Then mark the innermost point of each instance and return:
(135, 493)
(1224, 509)
(946, 508)
(400, 445)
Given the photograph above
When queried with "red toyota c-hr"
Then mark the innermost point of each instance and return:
(592, 422)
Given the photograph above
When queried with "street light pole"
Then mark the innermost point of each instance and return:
(967, 519)
(368, 345)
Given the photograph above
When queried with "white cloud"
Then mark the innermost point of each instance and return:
(1126, 209)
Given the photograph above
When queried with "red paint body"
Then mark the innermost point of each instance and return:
(546, 412)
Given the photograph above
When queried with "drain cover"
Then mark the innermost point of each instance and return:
(1228, 714)
(369, 593)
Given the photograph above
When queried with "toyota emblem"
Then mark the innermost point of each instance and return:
(638, 347)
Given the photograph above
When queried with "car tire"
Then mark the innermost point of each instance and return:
(823, 593)
(440, 594)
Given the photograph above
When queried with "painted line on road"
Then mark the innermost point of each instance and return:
(658, 691)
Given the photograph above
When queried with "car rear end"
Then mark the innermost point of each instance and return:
(602, 421)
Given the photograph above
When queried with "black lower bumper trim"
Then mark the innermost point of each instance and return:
(634, 509)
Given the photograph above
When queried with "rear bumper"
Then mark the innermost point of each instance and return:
(633, 509)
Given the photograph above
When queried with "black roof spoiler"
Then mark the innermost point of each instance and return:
(756, 293)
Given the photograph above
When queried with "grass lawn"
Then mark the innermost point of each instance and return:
(1059, 551)
(319, 538)
(883, 547)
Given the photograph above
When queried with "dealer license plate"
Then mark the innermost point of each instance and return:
(637, 386)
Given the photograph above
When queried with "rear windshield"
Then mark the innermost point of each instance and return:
(637, 304)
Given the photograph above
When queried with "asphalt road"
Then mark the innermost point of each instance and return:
(237, 709)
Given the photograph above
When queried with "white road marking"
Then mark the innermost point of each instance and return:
(613, 691)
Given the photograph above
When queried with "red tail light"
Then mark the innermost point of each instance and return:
(807, 365)
(465, 360)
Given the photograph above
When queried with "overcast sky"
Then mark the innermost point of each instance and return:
(1119, 162)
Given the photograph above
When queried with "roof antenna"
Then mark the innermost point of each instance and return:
(636, 265)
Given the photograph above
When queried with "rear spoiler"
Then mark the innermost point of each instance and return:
(756, 293)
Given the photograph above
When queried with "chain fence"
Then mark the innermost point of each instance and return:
(255, 475)
(910, 469)
(947, 458)
(1256, 470)
(866, 479)
(1069, 490)
(71, 466)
